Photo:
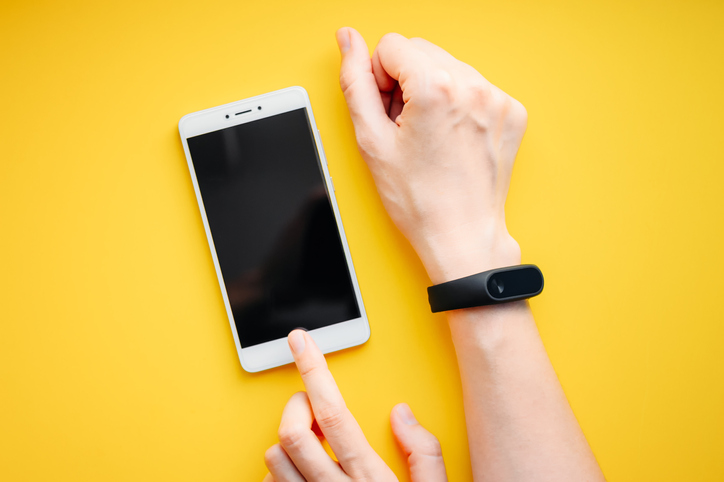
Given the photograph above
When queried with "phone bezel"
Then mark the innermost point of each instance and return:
(330, 338)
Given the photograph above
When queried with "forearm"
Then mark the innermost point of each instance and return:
(520, 425)
(441, 153)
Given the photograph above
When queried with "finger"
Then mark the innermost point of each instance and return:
(301, 443)
(280, 466)
(443, 59)
(422, 448)
(339, 427)
(403, 62)
(441, 56)
(359, 86)
(385, 83)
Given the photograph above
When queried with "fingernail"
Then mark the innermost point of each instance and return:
(404, 412)
(343, 40)
(296, 342)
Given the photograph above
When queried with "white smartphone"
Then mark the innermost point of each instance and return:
(273, 225)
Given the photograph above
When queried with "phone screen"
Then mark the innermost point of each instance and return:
(273, 227)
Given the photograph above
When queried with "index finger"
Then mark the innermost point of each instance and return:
(339, 427)
(403, 61)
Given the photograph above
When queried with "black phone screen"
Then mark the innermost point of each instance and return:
(273, 227)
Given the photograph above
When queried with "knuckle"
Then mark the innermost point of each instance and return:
(387, 38)
(441, 86)
(366, 143)
(364, 475)
(387, 43)
(273, 455)
(346, 80)
(432, 447)
(330, 418)
(499, 102)
(312, 368)
(291, 435)
(479, 93)
(429, 449)
(418, 41)
(518, 114)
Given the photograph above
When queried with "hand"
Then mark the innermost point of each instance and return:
(300, 456)
(440, 141)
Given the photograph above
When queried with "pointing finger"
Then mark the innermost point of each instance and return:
(339, 427)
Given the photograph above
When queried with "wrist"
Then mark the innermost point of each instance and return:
(483, 329)
(464, 252)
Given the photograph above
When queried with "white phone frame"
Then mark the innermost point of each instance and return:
(330, 338)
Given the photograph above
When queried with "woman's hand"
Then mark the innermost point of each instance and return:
(440, 141)
(300, 456)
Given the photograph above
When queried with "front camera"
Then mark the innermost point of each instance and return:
(259, 108)
(227, 116)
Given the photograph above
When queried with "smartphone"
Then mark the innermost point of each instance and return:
(271, 218)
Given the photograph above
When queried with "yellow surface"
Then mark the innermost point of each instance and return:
(116, 359)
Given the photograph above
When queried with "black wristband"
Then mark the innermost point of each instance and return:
(492, 287)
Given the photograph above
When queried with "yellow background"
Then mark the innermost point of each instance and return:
(116, 359)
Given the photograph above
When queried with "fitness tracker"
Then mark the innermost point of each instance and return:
(492, 287)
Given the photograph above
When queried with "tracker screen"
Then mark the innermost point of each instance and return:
(273, 227)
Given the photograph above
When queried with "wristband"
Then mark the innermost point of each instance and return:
(493, 287)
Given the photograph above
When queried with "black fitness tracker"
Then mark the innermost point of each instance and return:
(492, 287)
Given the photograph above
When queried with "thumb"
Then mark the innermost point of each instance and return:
(422, 448)
(360, 87)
